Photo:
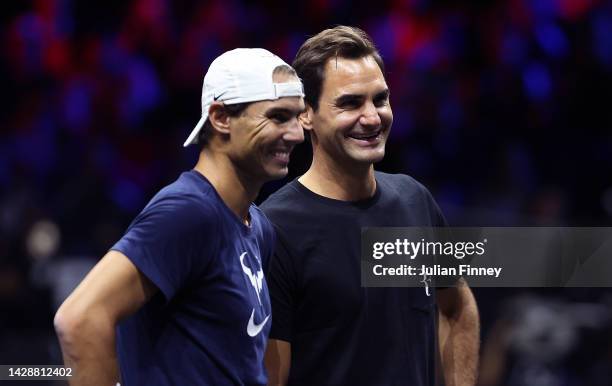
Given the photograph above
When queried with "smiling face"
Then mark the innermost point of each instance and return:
(263, 136)
(354, 116)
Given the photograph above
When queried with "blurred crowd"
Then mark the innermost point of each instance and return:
(501, 108)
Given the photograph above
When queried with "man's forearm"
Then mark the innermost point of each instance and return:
(278, 362)
(88, 347)
(459, 337)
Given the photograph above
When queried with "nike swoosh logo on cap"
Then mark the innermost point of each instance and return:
(254, 329)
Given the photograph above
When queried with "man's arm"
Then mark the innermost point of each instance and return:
(459, 334)
(85, 323)
(278, 362)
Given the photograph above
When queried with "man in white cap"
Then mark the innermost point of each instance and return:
(181, 296)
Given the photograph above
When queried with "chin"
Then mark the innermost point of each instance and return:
(277, 174)
(368, 157)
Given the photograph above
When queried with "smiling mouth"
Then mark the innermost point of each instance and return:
(280, 155)
(366, 136)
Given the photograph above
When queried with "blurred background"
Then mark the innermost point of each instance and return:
(502, 109)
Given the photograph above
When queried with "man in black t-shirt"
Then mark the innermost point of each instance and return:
(327, 329)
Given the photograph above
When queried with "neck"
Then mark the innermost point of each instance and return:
(338, 180)
(234, 187)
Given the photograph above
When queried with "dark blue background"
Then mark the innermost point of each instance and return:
(502, 108)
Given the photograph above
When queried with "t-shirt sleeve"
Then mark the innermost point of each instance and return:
(436, 215)
(282, 285)
(171, 242)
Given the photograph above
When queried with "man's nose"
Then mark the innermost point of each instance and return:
(294, 133)
(369, 115)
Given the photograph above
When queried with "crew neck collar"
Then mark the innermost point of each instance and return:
(363, 203)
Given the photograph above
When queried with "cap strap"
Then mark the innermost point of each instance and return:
(288, 89)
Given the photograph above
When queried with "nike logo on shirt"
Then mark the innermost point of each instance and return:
(254, 329)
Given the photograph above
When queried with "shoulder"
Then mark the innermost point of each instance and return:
(292, 212)
(284, 201)
(182, 204)
(402, 184)
(404, 191)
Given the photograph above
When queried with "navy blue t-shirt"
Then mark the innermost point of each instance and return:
(209, 322)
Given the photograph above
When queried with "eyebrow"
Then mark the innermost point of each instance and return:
(351, 97)
(284, 110)
(342, 99)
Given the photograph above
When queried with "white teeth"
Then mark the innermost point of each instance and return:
(361, 136)
(281, 155)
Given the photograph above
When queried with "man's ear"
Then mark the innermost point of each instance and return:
(305, 118)
(219, 119)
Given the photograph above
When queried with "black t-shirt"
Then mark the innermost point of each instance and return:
(342, 333)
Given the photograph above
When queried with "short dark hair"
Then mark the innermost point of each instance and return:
(341, 41)
(237, 109)
(284, 69)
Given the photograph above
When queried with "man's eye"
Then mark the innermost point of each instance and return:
(279, 118)
(381, 101)
(353, 104)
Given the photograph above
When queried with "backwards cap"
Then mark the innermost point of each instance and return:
(239, 76)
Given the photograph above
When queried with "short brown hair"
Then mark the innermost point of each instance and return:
(341, 41)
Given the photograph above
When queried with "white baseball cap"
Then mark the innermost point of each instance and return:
(239, 76)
